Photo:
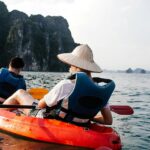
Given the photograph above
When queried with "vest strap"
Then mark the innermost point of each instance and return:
(68, 115)
(63, 115)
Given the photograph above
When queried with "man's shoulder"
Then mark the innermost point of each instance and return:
(63, 83)
(4, 71)
(67, 82)
(16, 75)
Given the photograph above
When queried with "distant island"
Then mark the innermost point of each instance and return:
(130, 71)
(137, 70)
(35, 38)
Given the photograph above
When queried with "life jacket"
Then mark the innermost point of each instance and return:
(10, 82)
(86, 100)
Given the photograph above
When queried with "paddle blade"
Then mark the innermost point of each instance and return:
(122, 109)
(38, 93)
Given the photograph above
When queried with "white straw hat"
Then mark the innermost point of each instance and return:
(81, 57)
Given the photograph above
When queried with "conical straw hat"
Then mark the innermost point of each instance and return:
(81, 57)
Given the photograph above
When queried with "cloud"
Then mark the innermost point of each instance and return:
(62, 1)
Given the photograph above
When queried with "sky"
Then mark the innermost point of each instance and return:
(118, 31)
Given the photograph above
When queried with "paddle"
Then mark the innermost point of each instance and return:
(121, 110)
(38, 93)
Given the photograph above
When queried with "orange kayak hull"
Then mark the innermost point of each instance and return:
(51, 130)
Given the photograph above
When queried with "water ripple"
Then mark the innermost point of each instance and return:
(135, 129)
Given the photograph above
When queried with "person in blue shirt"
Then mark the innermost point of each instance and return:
(10, 78)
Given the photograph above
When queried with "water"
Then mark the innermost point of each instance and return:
(131, 89)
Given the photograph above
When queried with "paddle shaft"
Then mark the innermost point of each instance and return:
(121, 110)
(17, 106)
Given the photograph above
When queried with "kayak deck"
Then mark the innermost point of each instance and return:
(55, 131)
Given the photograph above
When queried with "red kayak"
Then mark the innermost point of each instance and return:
(51, 130)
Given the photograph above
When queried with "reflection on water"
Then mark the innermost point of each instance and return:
(131, 89)
(11, 142)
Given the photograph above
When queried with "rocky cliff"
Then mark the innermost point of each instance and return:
(35, 38)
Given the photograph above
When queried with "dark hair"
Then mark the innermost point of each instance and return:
(17, 62)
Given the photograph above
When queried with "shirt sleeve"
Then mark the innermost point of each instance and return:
(58, 92)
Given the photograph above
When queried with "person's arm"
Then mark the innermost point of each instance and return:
(24, 85)
(57, 93)
(42, 103)
(50, 99)
(21, 84)
(105, 118)
(1, 100)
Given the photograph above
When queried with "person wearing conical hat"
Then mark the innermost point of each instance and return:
(81, 63)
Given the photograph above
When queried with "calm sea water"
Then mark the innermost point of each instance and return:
(131, 89)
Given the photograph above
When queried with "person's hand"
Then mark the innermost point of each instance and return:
(2, 100)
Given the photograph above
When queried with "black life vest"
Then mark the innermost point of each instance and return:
(86, 100)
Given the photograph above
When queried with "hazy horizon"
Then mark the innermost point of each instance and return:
(118, 31)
